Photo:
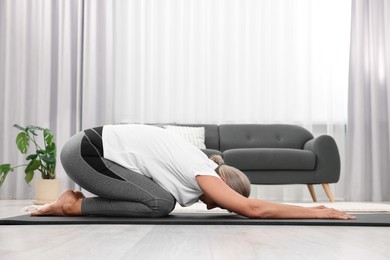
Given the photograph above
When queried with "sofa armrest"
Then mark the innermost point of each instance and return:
(327, 158)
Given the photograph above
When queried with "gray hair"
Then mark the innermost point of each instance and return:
(234, 178)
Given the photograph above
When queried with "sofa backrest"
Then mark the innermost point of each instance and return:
(233, 136)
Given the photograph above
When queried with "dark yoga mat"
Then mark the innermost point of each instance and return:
(382, 220)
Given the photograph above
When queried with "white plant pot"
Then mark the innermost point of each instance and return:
(46, 191)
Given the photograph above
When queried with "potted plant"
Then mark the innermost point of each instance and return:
(42, 159)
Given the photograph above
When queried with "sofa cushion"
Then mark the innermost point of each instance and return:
(262, 136)
(270, 159)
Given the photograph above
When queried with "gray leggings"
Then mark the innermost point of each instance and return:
(120, 191)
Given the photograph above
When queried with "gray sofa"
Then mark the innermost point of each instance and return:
(276, 154)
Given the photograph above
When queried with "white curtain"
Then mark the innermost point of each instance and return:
(39, 79)
(220, 61)
(368, 164)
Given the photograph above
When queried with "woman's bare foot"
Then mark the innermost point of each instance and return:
(69, 203)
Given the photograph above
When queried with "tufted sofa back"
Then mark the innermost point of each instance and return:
(233, 136)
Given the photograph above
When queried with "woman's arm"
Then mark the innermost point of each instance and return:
(227, 198)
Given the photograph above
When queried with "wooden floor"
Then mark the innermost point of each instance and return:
(187, 242)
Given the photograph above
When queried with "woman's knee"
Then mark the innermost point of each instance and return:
(163, 207)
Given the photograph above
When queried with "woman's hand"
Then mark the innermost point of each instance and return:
(329, 213)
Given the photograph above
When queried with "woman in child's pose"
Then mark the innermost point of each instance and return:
(142, 171)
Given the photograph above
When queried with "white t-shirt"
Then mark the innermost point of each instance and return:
(161, 155)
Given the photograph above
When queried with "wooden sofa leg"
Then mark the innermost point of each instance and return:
(328, 192)
(312, 192)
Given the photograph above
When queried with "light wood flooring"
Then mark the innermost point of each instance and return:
(187, 242)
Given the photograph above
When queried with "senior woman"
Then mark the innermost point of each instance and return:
(142, 171)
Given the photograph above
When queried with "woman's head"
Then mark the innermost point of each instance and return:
(233, 177)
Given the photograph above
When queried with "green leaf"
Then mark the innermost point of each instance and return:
(22, 142)
(41, 151)
(29, 176)
(20, 127)
(2, 178)
(31, 156)
(5, 168)
(51, 149)
(32, 166)
(48, 136)
(48, 159)
(32, 129)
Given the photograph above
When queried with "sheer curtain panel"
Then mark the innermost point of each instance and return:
(39, 78)
(368, 165)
